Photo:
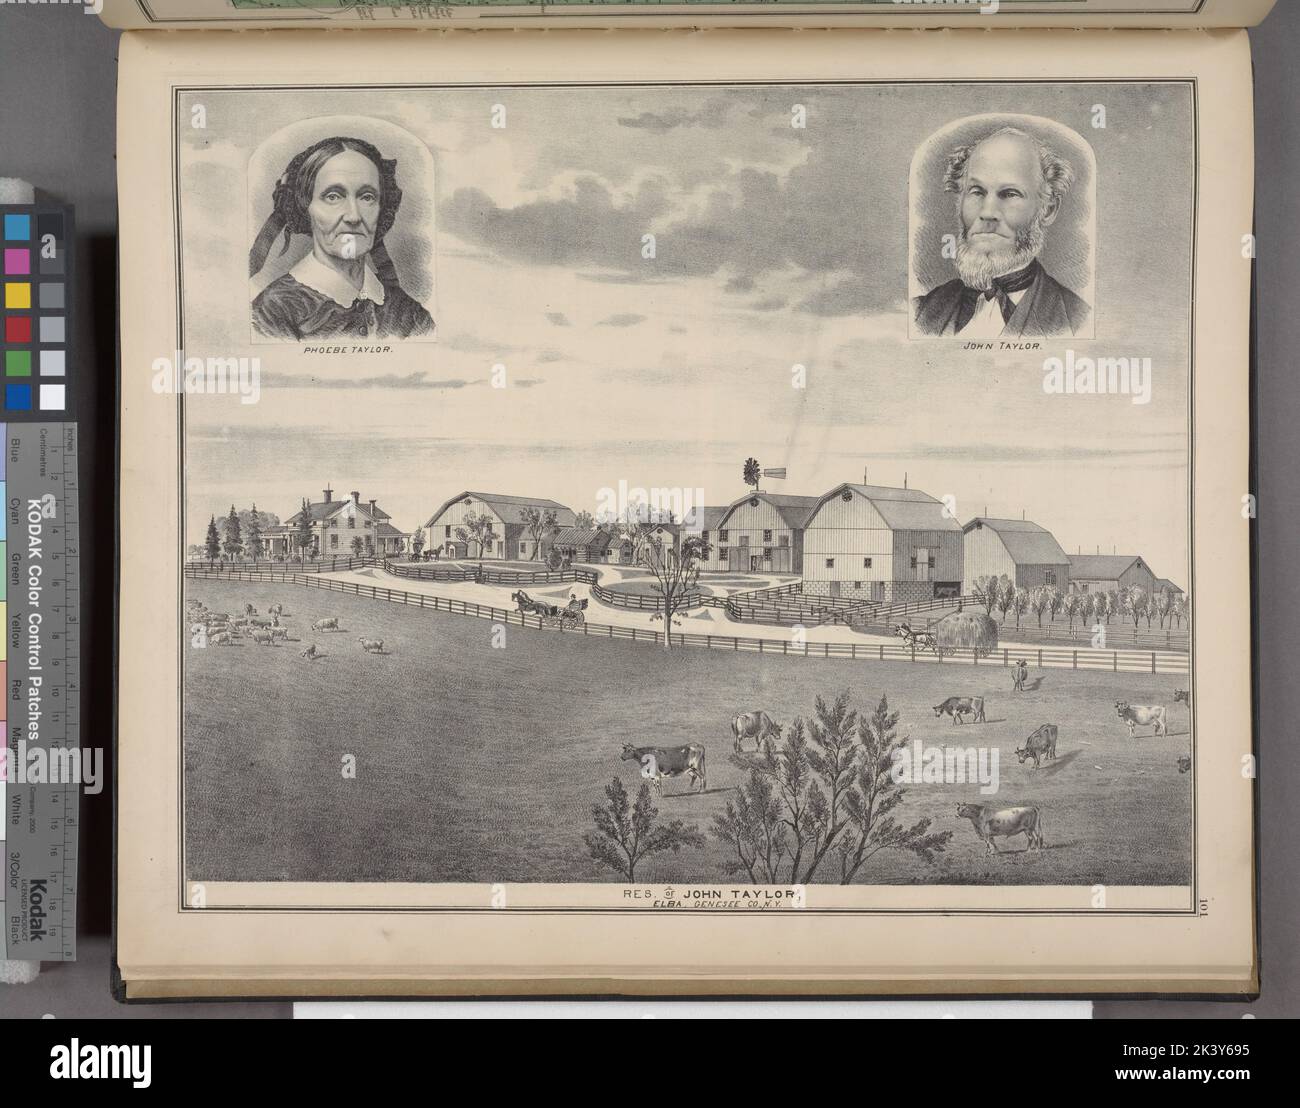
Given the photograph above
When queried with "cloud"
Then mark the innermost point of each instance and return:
(622, 319)
(740, 284)
(419, 380)
(559, 319)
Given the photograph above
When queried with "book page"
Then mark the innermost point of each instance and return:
(384, 14)
(682, 516)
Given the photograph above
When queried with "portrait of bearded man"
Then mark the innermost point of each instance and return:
(1010, 189)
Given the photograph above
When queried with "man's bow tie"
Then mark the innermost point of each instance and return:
(1000, 290)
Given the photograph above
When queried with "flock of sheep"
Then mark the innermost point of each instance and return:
(211, 628)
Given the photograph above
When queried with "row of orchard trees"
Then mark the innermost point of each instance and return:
(998, 594)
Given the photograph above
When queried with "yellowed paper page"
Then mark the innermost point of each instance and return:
(741, 511)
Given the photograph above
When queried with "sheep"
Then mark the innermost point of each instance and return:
(221, 638)
(330, 624)
(265, 638)
(372, 646)
(311, 653)
(280, 633)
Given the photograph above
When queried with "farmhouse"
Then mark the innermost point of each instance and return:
(1022, 551)
(763, 532)
(1110, 573)
(334, 524)
(869, 542)
(509, 534)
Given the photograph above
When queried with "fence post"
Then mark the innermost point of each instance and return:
(1040, 657)
(1076, 659)
(1115, 655)
(1153, 661)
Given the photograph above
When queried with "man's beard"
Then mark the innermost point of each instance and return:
(979, 268)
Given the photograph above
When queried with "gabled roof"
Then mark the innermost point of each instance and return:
(1163, 584)
(1103, 567)
(387, 531)
(582, 536)
(794, 511)
(323, 509)
(510, 508)
(706, 518)
(901, 509)
(1026, 542)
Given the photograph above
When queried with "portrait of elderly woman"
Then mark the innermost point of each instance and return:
(1010, 188)
(343, 194)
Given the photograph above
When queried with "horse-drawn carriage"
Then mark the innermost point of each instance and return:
(552, 615)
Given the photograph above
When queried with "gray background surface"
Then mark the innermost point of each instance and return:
(58, 71)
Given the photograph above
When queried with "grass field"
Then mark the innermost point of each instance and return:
(482, 764)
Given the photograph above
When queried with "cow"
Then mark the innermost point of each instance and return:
(1184, 764)
(264, 637)
(330, 624)
(658, 762)
(758, 726)
(372, 646)
(958, 706)
(989, 822)
(1041, 744)
(1184, 696)
(1137, 715)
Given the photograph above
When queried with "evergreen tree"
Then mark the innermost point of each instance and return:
(254, 535)
(233, 542)
(213, 541)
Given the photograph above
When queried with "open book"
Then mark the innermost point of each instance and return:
(742, 511)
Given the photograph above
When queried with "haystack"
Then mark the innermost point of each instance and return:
(968, 631)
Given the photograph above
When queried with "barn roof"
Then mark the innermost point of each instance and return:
(1026, 542)
(510, 508)
(706, 518)
(795, 511)
(1163, 584)
(901, 509)
(1103, 567)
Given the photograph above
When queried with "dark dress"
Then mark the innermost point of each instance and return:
(288, 309)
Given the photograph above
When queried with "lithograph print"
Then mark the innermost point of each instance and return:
(797, 495)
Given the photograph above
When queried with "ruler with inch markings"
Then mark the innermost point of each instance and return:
(43, 764)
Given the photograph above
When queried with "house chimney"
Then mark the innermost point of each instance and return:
(329, 495)
(904, 479)
(356, 498)
(372, 507)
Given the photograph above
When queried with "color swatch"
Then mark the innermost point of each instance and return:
(36, 264)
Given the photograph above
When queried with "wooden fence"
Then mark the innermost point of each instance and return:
(1117, 661)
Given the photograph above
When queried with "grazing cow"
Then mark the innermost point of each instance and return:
(1184, 763)
(758, 726)
(1041, 744)
(658, 762)
(1137, 715)
(372, 646)
(959, 706)
(330, 624)
(264, 637)
(311, 653)
(1185, 696)
(989, 822)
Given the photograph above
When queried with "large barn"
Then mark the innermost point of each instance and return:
(868, 542)
(510, 537)
(1110, 573)
(761, 533)
(1018, 549)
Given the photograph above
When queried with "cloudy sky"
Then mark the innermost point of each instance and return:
(775, 247)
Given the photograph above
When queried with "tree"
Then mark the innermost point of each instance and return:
(1087, 606)
(212, 542)
(540, 523)
(417, 544)
(232, 542)
(988, 590)
(478, 529)
(254, 535)
(1101, 606)
(358, 547)
(825, 793)
(1071, 603)
(1135, 604)
(752, 472)
(1007, 599)
(1022, 603)
(585, 520)
(627, 834)
(675, 565)
(1055, 600)
(303, 537)
(1040, 602)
